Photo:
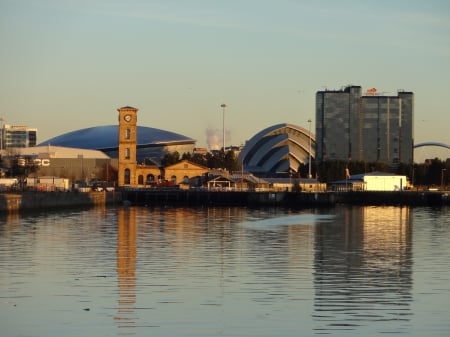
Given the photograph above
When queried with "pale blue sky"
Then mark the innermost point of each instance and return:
(66, 65)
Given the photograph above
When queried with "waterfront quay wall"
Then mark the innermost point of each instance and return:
(12, 202)
(407, 198)
(153, 196)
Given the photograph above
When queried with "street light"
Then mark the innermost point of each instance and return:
(223, 106)
(309, 161)
(1, 133)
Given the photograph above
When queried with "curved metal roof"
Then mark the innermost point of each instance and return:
(278, 148)
(106, 137)
(432, 144)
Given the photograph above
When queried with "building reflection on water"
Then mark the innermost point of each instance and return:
(361, 262)
(363, 272)
(225, 271)
(126, 269)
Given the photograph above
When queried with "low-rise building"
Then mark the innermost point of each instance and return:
(373, 181)
(65, 162)
(184, 173)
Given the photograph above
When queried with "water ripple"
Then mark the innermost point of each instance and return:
(226, 271)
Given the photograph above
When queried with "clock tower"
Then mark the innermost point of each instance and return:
(127, 145)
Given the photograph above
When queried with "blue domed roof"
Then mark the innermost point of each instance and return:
(106, 137)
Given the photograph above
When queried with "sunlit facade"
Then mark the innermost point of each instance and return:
(17, 136)
(370, 127)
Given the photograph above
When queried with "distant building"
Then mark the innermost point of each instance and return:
(200, 150)
(370, 127)
(132, 174)
(280, 148)
(17, 136)
(152, 144)
(373, 181)
(72, 163)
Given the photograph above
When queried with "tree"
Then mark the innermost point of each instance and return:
(434, 171)
(170, 158)
(196, 158)
(19, 166)
(214, 159)
(332, 170)
(230, 161)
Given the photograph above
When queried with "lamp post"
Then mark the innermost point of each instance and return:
(309, 161)
(223, 106)
(1, 133)
(442, 177)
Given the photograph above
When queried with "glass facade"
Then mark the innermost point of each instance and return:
(372, 128)
(337, 123)
(17, 136)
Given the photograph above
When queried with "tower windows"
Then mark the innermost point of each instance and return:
(126, 176)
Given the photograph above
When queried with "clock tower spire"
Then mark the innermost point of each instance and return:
(127, 145)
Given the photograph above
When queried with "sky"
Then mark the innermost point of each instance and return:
(67, 65)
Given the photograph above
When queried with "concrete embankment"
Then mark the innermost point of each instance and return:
(406, 198)
(14, 202)
(225, 198)
(291, 199)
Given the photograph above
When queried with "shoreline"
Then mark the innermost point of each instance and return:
(279, 198)
(30, 200)
(23, 201)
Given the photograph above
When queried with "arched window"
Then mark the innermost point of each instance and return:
(150, 178)
(185, 180)
(126, 176)
(127, 134)
(173, 179)
(127, 153)
(141, 179)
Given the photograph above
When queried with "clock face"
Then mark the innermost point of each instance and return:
(127, 118)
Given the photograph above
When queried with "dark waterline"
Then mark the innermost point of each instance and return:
(344, 271)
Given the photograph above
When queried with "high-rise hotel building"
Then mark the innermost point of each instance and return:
(13, 136)
(369, 127)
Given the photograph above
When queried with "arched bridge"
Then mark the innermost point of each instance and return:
(432, 144)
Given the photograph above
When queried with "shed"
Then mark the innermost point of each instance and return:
(373, 181)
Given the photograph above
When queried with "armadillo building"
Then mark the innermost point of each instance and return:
(280, 148)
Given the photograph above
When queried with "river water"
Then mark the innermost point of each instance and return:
(139, 271)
